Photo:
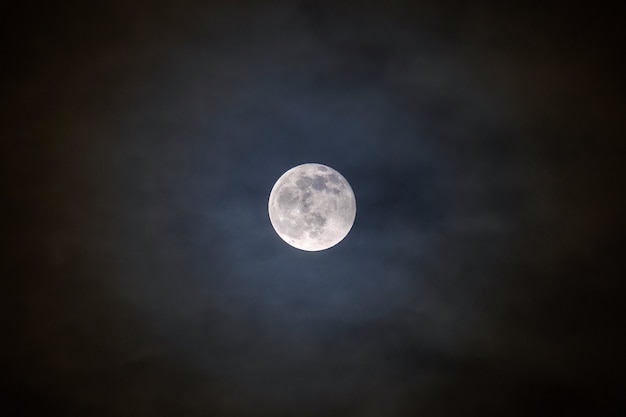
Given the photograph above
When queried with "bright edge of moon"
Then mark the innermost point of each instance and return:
(312, 207)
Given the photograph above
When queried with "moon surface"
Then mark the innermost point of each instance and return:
(312, 207)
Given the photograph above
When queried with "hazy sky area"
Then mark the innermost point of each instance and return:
(483, 275)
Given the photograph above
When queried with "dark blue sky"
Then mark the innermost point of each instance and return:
(484, 145)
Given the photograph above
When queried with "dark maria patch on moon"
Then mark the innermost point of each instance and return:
(303, 182)
(307, 201)
(334, 179)
(287, 197)
(320, 182)
(315, 219)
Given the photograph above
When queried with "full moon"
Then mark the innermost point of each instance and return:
(312, 207)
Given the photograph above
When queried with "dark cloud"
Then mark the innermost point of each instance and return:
(484, 146)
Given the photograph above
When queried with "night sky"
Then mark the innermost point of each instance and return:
(483, 276)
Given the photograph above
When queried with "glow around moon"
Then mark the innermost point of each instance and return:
(312, 207)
